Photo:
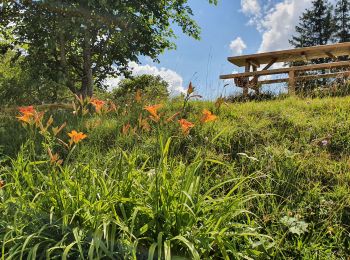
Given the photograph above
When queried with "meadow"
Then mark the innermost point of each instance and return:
(180, 180)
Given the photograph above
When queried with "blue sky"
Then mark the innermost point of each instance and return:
(203, 61)
(233, 27)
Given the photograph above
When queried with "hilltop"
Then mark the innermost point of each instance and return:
(264, 180)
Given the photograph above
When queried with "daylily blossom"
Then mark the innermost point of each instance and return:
(170, 119)
(25, 118)
(208, 116)
(126, 129)
(190, 89)
(26, 110)
(54, 158)
(76, 137)
(57, 130)
(29, 115)
(143, 124)
(98, 104)
(186, 126)
(153, 110)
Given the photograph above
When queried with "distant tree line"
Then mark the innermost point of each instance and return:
(322, 24)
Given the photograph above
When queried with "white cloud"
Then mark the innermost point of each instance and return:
(174, 80)
(279, 24)
(250, 7)
(237, 46)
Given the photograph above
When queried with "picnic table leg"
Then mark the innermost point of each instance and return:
(255, 82)
(246, 87)
(291, 87)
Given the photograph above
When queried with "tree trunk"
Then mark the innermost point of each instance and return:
(63, 60)
(87, 80)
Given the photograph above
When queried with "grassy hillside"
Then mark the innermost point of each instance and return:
(266, 180)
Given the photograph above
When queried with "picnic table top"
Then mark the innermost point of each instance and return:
(300, 54)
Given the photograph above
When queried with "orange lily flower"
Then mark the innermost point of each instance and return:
(26, 110)
(126, 129)
(56, 130)
(98, 104)
(186, 126)
(76, 137)
(190, 89)
(25, 118)
(2, 184)
(54, 158)
(153, 110)
(27, 114)
(145, 125)
(208, 116)
(170, 119)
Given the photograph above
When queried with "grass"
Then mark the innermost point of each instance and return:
(267, 180)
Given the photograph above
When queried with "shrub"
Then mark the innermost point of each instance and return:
(152, 88)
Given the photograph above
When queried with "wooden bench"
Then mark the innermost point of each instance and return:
(250, 78)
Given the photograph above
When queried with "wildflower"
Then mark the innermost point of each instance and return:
(27, 114)
(186, 126)
(143, 124)
(171, 119)
(38, 118)
(153, 110)
(26, 110)
(98, 104)
(190, 89)
(38, 122)
(25, 118)
(126, 129)
(76, 137)
(324, 142)
(54, 158)
(208, 116)
(56, 130)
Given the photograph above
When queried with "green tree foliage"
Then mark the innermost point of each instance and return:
(150, 87)
(342, 21)
(19, 81)
(18, 84)
(79, 44)
(316, 25)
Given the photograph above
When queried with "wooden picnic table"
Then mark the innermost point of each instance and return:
(252, 62)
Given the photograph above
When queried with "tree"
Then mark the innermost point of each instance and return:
(80, 43)
(316, 25)
(342, 21)
(152, 88)
(19, 86)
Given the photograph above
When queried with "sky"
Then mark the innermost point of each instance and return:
(233, 27)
